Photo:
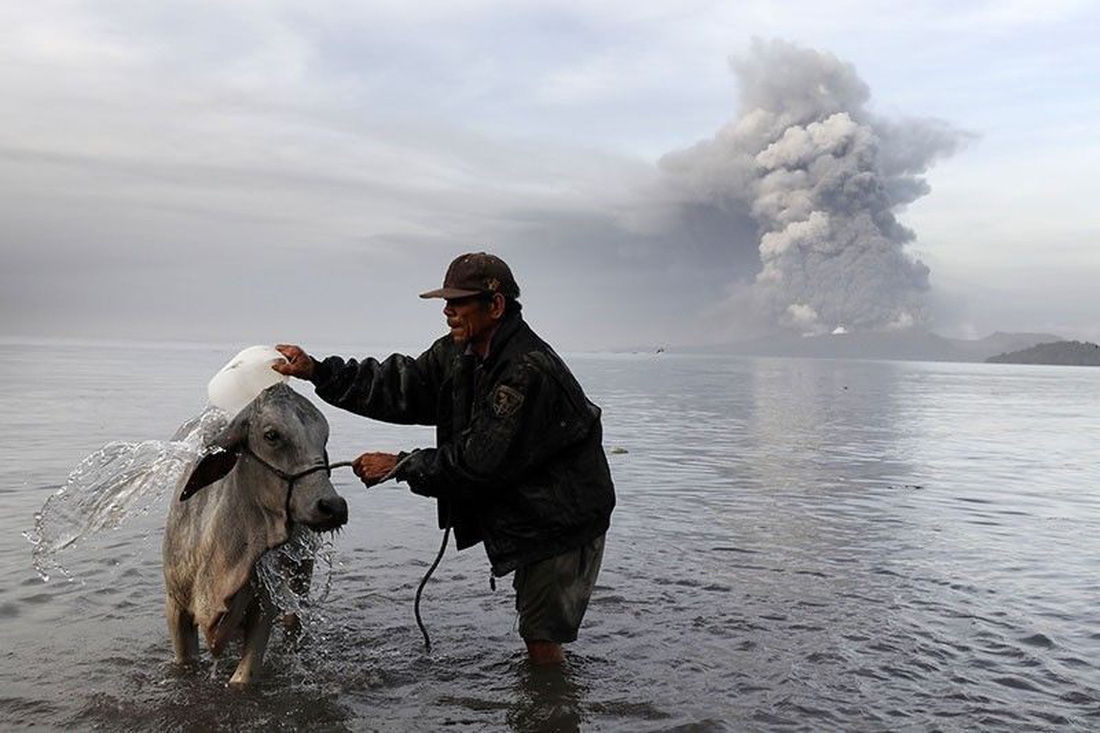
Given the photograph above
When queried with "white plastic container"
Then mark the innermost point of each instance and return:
(244, 377)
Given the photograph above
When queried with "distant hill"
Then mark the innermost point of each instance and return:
(1000, 343)
(1071, 353)
(911, 344)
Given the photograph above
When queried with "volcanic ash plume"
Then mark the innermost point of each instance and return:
(821, 177)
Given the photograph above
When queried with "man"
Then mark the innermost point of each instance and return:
(519, 462)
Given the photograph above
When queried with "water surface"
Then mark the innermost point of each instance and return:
(799, 545)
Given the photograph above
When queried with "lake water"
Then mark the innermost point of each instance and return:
(799, 545)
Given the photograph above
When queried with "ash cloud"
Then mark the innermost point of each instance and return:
(820, 179)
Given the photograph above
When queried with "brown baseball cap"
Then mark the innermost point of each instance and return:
(475, 273)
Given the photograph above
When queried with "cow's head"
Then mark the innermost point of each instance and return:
(274, 443)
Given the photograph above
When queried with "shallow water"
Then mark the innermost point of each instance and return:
(798, 545)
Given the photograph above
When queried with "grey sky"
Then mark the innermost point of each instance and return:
(256, 171)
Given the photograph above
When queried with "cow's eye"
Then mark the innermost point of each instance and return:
(270, 435)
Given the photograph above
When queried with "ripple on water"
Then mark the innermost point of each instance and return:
(37, 598)
(23, 711)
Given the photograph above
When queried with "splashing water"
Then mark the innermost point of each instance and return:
(123, 480)
(279, 572)
(117, 482)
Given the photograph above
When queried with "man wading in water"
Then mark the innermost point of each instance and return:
(519, 461)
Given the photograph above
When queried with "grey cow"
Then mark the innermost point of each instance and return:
(263, 473)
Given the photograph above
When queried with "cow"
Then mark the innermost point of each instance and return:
(263, 475)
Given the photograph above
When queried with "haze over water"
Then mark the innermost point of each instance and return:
(799, 544)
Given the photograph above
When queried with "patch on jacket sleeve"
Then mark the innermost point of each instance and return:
(506, 400)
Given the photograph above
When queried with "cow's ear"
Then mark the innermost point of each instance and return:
(221, 457)
(214, 465)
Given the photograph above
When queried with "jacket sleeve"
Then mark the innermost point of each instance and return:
(524, 420)
(399, 389)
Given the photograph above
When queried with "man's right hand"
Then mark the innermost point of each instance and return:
(298, 363)
(371, 468)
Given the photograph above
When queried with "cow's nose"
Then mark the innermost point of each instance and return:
(334, 509)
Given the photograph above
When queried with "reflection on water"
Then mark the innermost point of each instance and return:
(547, 698)
(798, 544)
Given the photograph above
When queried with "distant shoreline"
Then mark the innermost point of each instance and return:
(1055, 353)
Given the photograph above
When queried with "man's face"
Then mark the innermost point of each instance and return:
(470, 319)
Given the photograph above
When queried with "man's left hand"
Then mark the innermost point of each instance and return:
(373, 467)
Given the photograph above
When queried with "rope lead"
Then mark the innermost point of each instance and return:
(420, 589)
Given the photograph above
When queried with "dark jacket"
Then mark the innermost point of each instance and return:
(519, 462)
